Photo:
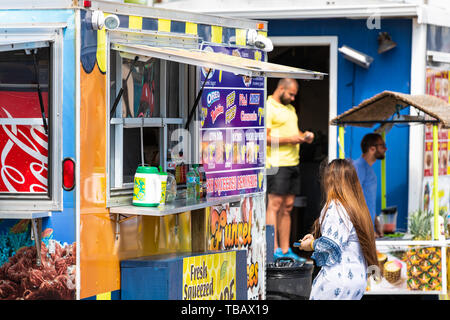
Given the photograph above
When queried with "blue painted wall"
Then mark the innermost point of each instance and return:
(389, 71)
(61, 222)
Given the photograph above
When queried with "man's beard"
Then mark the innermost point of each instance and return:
(379, 156)
(284, 100)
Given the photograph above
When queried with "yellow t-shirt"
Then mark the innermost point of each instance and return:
(283, 122)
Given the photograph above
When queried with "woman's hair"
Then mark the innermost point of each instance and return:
(340, 183)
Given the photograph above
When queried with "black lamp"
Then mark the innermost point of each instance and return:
(385, 42)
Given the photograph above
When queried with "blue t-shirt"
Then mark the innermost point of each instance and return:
(368, 180)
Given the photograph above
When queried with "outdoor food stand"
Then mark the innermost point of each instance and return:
(96, 97)
(415, 262)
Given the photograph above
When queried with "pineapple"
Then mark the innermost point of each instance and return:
(392, 271)
(419, 225)
(423, 268)
(382, 258)
(423, 264)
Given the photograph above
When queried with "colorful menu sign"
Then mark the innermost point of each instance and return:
(232, 128)
(210, 277)
(438, 86)
(240, 226)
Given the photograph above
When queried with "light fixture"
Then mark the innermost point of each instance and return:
(68, 174)
(99, 21)
(385, 42)
(356, 56)
(112, 22)
(259, 41)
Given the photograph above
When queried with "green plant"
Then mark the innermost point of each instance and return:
(419, 224)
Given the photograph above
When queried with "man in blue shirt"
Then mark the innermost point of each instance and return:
(373, 148)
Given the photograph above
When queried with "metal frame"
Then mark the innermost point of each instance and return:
(438, 57)
(332, 42)
(51, 33)
(36, 4)
(119, 193)
(346, 122)
(416, 133)
(23, 45)
(172, 14)
(153, 38)
(213, 60)
(301, 9)
(137, 10)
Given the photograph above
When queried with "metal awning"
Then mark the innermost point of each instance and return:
(31, 35)
(385, 107)
(219, 61)
(22, 45)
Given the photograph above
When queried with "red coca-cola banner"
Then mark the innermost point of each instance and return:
(23, 104)
(23, 148)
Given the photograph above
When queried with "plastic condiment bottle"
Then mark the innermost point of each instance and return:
(203, 185)
(198, 186)
(190, 185)
(163, 177)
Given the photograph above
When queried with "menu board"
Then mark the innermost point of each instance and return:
(241, 226)
(443, 152)
(438, 83)
(438, 86)
(210, 277)
(232, 128)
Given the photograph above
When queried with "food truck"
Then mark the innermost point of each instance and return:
(91, 91)
(415, 262)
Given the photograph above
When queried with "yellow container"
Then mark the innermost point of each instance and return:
(163, 177)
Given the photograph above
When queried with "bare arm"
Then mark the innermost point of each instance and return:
(301, 137)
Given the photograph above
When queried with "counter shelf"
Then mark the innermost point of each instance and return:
(122, 212)
(177, 206)
(406, 278)
(411, 242)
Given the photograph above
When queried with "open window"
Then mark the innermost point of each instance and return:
(149, 113)
(30, 149)
(155, 85)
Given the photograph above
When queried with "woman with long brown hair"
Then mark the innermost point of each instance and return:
(343, 239)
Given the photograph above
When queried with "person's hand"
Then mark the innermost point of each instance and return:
(309, 137)
(297, 139)
(378, 228)
(306, 242)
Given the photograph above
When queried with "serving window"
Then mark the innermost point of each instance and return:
(24, 142)
(149, 111)
(29, 134)
(159, 84)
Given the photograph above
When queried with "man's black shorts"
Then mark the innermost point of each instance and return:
(285, 181)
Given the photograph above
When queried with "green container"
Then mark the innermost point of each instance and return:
(146, 169)
(147, 187)
(144, 2)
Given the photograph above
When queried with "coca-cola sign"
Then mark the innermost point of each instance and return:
(23, 157)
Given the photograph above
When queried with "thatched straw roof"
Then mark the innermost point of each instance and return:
(384, 105)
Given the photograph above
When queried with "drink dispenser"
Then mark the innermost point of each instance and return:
(147, 187)
(389, 219)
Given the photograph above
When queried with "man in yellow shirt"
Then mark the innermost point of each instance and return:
(283, 176)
